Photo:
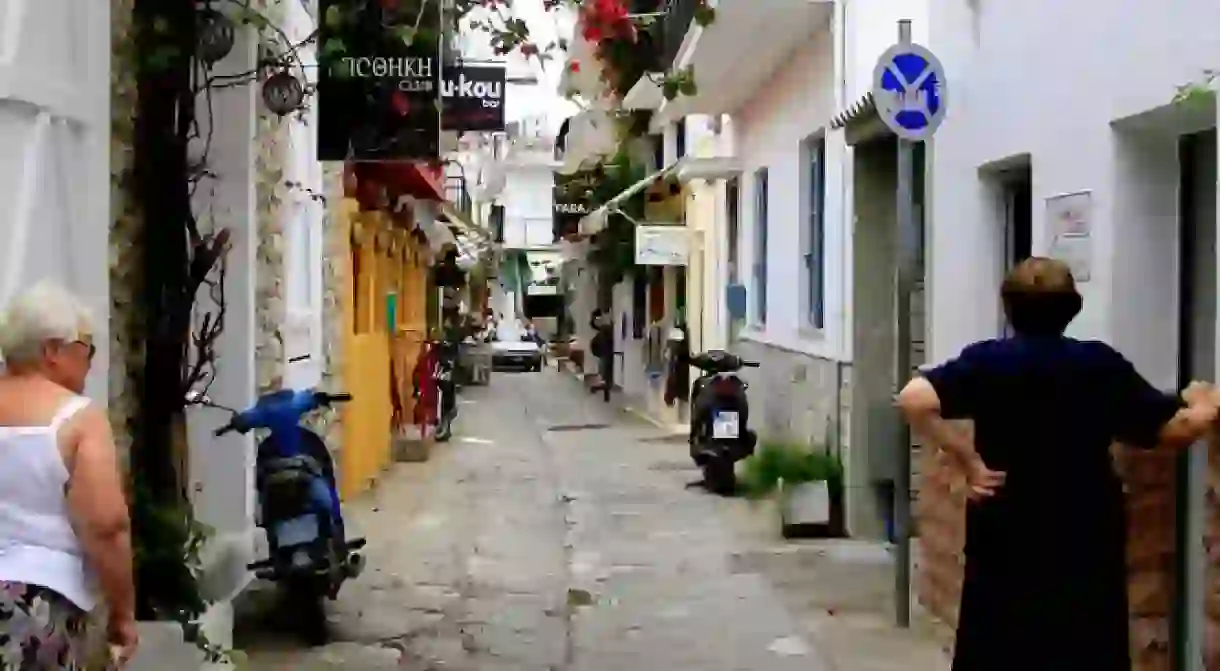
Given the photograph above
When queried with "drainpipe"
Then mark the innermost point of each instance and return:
(848, 217)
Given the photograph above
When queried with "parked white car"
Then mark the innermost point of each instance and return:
(511, 350)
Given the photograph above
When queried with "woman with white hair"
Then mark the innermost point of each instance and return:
(65, 534)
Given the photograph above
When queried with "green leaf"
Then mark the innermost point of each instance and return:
(405, 33)
(334, 17)
(163, 57)
(705, 15)
(687, 87)
(333, 48)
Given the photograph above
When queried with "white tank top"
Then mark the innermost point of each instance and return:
(37, 543)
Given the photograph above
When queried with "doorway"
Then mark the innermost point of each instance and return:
(1013, 186)
(1197, 258)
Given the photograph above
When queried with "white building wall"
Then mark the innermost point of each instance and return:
(55, 158)
(797, 102)
(1064, 109)
(527, 206)
(303, 214)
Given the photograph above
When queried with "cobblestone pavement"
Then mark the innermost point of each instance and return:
(553, 533)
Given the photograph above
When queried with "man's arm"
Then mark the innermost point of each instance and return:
(920, 405)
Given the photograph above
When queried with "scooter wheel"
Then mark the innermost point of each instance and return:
(308, 608)
(720, 477)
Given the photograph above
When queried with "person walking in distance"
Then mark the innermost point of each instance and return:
(1045, 575)
(65, 533)
(603, 348)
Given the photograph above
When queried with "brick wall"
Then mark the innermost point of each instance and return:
(1149, 477)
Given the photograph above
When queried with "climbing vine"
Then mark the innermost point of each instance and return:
(613, 248)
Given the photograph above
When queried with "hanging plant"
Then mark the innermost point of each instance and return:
(627, 53)
(679, 82)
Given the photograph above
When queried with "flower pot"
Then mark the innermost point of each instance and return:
(811, 509)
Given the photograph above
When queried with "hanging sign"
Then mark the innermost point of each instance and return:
(1071, 219)
(473, 98)
(378, 92)
(662, 245)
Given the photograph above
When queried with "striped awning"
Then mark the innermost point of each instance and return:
(863, 106)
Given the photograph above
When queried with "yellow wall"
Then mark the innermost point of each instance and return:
(366, 420)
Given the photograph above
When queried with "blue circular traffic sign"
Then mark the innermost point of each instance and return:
(909, 91)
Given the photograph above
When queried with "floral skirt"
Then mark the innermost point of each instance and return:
(40, 630)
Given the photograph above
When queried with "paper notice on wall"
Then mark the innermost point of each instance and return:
(1070, 221)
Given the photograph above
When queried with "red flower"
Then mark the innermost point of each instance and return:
(574, 66)
(400, 104)
(591, 33)
(529, 49)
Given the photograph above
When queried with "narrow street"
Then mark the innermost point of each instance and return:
(554, 533)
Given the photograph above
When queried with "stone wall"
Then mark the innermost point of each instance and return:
(794, 396)
(126, 347)
(271, 138)
(1149, 479)
(334, 270)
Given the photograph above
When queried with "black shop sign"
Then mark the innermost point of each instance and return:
(473, 97)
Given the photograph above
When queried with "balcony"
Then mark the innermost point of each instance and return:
(673, 29)
(734, 56)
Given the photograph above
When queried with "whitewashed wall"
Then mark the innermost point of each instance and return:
(798, 101)
(55, 157)
(302, 217)
(1094, 117)
(527, 202)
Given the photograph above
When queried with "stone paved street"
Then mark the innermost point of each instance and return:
(553, 533)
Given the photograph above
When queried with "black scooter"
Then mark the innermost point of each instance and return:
(719, 433)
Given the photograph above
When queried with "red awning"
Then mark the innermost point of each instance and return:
(410, 178)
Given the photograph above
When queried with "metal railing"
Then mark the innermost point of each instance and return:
(680, 14)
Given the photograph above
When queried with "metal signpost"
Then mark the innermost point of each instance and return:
(909, 90)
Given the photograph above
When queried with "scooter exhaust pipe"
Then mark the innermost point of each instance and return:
(355, 564)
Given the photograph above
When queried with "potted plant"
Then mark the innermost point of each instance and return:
(808, 482)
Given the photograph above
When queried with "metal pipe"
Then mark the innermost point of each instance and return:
(908, 238)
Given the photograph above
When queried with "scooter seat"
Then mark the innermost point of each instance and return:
(273, 468)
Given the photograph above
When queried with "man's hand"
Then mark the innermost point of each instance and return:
(983, 482)
(1200, 417)
(1197, 393)
(124, 639)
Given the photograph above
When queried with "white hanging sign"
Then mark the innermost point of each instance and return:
(662, 245)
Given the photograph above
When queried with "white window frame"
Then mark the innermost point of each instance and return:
(761, 216)
(813, 232)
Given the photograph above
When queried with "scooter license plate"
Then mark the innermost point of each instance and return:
(726, 426)
(297, 531)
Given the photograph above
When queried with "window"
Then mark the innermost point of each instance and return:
(639, 305)
(760, 246)
(814, 220)
(732, 197)
(658, 152)
(680, 295)
(680, 139)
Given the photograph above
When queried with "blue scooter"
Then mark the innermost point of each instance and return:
(309, 554)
